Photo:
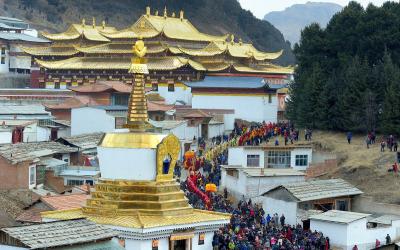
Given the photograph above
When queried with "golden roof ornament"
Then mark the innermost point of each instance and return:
(156, 13)
(147, 11)
(103, 24)
(232, 39)
(173, 14)
(83, 22)
(240, 41)
(165, 12)
(181, 13)
(94, 22)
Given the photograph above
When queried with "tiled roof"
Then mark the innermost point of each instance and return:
(320, 189)
(84, 141)
(59, 233)
(197, 113)
(73, 102)
(31, 215)
(31, 150)
(21, 37)
(337, 216)
(158, 106)
(63, 202)
(102, 87)
(23, 110)
(167, 124)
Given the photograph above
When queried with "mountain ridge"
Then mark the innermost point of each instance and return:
(294, 18)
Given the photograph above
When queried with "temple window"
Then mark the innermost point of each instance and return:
(3, 60)
(278, 159)
(253, 160)
(301, 160)
(269, 98)
(154, 87)
(3, 50)
(171, 87)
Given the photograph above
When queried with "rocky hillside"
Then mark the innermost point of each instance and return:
(214, 17)
(293, 19)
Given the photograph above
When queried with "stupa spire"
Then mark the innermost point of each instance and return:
(137, 118)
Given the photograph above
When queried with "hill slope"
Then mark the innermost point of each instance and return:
(293, 19)
(210, 16)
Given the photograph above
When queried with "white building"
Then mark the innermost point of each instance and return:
(172, 92)
(32, 131)
(297, 201)
(253, 182)
(242, 94)
(297, 157)
(95, 119)
(14, 34)
(347, 229)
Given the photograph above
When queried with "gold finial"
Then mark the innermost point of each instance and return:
(103, 24)
(240, 41)
(181, 13)
(94, 22)
(139, 49)
(147, 11)
(173, 14)
(165, 12)
(232, 39)
(83, 22)
(156, 13)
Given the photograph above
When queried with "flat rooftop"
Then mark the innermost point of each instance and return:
(342, 217)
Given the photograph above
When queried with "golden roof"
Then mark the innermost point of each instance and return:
(103, 63)
(90, 32)
(149, 26)
(51, 51)
(270, 68)
(239, 50)
(137, 220)
(120, 48)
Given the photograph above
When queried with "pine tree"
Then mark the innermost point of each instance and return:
(352, 104)
(390, 123)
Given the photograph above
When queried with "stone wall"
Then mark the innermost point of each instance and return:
(365, 204)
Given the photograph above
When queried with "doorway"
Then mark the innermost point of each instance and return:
(179, 244)
(204, 131)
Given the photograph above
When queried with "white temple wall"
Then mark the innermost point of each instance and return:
(336, 232)
(181, 93)
(91, 120)
(207, 241)
(163, 244)
(242, 105)
(127, 163)
(288, 208)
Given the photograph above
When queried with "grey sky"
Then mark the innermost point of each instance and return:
(262, 7)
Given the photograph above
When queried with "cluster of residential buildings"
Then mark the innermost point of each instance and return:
(97, 184)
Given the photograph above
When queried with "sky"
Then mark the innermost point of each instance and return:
(262, 7)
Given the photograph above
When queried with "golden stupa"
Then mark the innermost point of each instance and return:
(137, 189)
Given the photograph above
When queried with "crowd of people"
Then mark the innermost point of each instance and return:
(250, 226)
(251, 229)
(259, 133)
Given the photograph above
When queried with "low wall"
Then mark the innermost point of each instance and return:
(318, 169)
(365, 204)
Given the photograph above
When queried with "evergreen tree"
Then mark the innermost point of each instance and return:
(391, 105)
